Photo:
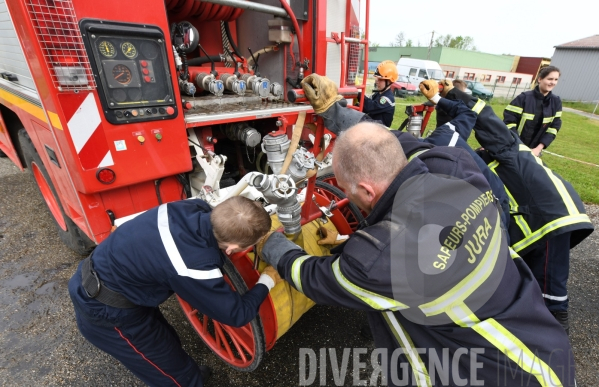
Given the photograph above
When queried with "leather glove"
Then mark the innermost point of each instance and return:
(430, 89)
(321, 92)
(261, 242)
(273, 274)
(329, 237)
(445, 86)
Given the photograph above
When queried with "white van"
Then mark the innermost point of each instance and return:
(417, 70)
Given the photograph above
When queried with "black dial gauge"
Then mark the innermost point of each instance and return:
(121, 74)
(107, 49)
(129, 50)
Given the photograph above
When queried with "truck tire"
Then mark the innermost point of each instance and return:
(69, 233)
(2, 154)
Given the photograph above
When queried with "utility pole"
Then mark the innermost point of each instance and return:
(430, 45)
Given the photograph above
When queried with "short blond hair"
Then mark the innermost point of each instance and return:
(239, 220)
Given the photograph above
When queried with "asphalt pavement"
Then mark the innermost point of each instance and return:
(41, 346)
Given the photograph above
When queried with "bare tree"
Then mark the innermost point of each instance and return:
(399, 40)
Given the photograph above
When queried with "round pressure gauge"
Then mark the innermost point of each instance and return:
(129, 50)
(107, 49)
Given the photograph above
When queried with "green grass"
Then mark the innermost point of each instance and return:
(577, 139)
(584, 106)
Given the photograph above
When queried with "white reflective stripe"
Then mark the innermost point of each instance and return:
(296, 273)
(471, 282)
(376, 301)
(418, 367)
(454, 139)
(173, 252)
(555, 298)
(416, 155)
(515, 349)
(388, 101)
(513, 254)
(84, 122)
(463, 316)
(451, 126)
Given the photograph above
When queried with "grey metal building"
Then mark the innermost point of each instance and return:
(578, 62)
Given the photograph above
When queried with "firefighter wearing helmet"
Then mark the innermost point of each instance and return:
(381, 105)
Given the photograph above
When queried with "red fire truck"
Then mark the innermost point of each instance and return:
(118, 106)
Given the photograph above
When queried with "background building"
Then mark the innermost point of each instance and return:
(578, 62)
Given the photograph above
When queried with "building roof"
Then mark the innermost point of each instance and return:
(590, 42)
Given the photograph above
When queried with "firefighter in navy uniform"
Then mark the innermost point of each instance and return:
(535, 115)
(380, 106)
(172, 248)
(435, 287)
(547, 215)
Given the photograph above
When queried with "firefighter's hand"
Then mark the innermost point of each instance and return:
(261, 242)
(329, 237)
(321, 92)
(430, 89)
(270, 277)
(444, 87)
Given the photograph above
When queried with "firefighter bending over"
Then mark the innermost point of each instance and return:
(431, 266)
(172, 248)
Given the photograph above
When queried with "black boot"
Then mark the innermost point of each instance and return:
(206, 372)
(562, 318)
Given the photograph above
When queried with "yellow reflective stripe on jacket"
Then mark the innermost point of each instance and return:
(559, 185)
(471, 282)
(511, 126)
(558, 114)
(376, 301)
(517, 351)
(548, 120)
(519, 219)
(463, 316)
(405, 341)
(296, 272)
(549, 227)
(479, 106)
(492, 165)
(515, 109)
(525, 116)
(514, 254)
(552, 131)
(416, 155)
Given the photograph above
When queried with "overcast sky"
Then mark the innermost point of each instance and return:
(517, 27)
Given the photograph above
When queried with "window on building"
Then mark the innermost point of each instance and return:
(469, 76)
(449, 74)
(486, 78)
(500, 79)
(422, 73)
(413, 72)
(516, 81)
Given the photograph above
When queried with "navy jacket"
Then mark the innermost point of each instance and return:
(535, 118)
(429, 300)
(380, 106)
(171, 249)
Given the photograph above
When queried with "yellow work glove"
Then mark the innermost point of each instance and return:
(261, 242)
(430, 89)
(272, 273)
(328, 237)
(444, 87)
(321, 92)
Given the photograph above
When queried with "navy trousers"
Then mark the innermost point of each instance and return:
(550, 264)
(140, 338)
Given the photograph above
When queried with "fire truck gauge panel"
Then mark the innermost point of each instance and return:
(107, 49)
(129, 50)
(130, 64)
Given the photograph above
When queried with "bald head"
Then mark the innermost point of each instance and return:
(368, 152)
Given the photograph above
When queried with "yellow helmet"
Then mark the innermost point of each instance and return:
(386, 70)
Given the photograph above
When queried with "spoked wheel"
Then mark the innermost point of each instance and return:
(241, 348)
(351, 212)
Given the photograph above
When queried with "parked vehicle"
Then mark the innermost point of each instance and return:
(418, 70)
(479, 90)
(403, 88)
